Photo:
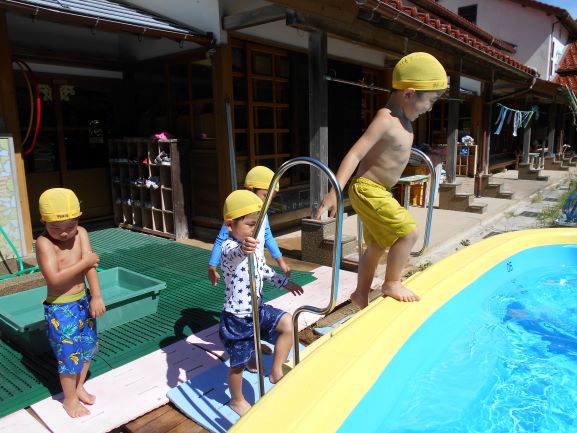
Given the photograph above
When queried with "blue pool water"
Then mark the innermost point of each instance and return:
(501, 356)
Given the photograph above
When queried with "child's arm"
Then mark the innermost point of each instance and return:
(97, 307)
(234, 252)
(354, 156)
(279, 281)
(213, 275)
(48, 263)
(271, 245)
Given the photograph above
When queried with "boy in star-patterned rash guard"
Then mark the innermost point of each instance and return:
(236, 277)
(241, 211)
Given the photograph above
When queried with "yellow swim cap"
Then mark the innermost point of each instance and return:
(58, 204)
(259, 177)
(419, 71)
(240, 203)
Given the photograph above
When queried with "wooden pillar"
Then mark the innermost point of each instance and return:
(551, 129)
(487, 124)
(318, 114)
(527, 134)
(9, 115)
(222, 89)
(453, 126)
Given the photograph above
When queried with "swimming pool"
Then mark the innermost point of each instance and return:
(492, 347)
(499, 356)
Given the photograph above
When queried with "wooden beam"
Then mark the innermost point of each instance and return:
(318, 114)
(487, 125)
(9, 113)
(254, 17)
(527, 134)
(352, 30)
(453, 127)
(551, 129)
(222, 89)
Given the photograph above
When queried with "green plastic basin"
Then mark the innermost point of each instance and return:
(127, 295)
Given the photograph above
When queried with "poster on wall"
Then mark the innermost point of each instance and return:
(10, 211)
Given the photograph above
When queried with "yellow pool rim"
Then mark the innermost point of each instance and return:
(338, 370)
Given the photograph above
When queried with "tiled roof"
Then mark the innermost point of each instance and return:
(569, 61)
(567, 70)
(382, 6)
(455, 19)
(107, 14)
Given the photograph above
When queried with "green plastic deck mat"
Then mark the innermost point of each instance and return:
(188, 304)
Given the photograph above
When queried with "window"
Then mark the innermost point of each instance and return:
(261, 107)
(469, 13)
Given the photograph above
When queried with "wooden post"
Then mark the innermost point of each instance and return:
(487, 124)
(551, 129)
(453, 126)
(9, 113)
(527, 134)
(222, 88)
(526, 143)
(318, 114)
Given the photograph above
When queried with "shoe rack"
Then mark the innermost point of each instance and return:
(148, 193)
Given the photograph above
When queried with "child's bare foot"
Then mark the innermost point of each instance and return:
(74, 408)
(275, 376)
(84, 396)
(399, 292)
(359, 300)
(241, 407)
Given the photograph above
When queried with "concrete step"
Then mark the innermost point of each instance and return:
(477, 208)
(507, 195)
(543, 178)
(348, 244)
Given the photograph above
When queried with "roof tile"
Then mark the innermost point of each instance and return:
(448, 29)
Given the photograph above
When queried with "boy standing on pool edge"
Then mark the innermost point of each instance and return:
(65, 258)
(381, 155)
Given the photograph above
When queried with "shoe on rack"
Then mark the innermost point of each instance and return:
(165, 160)
(159, 158)
(153, 182)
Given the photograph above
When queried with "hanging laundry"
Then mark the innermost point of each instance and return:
(520, 118)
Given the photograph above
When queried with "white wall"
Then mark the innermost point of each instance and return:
(528, 28)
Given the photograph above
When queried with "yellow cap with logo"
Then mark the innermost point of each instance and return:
(259, 177)
(240, 203)
(419, 71)
(58, 204)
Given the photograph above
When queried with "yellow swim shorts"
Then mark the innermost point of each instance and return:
(384, 219)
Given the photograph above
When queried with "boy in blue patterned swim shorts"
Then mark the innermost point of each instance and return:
(65, 257)
(241, 210)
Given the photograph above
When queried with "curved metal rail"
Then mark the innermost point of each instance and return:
(336, 261)
(432, 190)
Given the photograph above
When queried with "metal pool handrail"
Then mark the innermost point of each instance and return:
(432, 190)
(336, 261)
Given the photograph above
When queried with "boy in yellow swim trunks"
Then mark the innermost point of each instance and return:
(381, 154)
(65, 257)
